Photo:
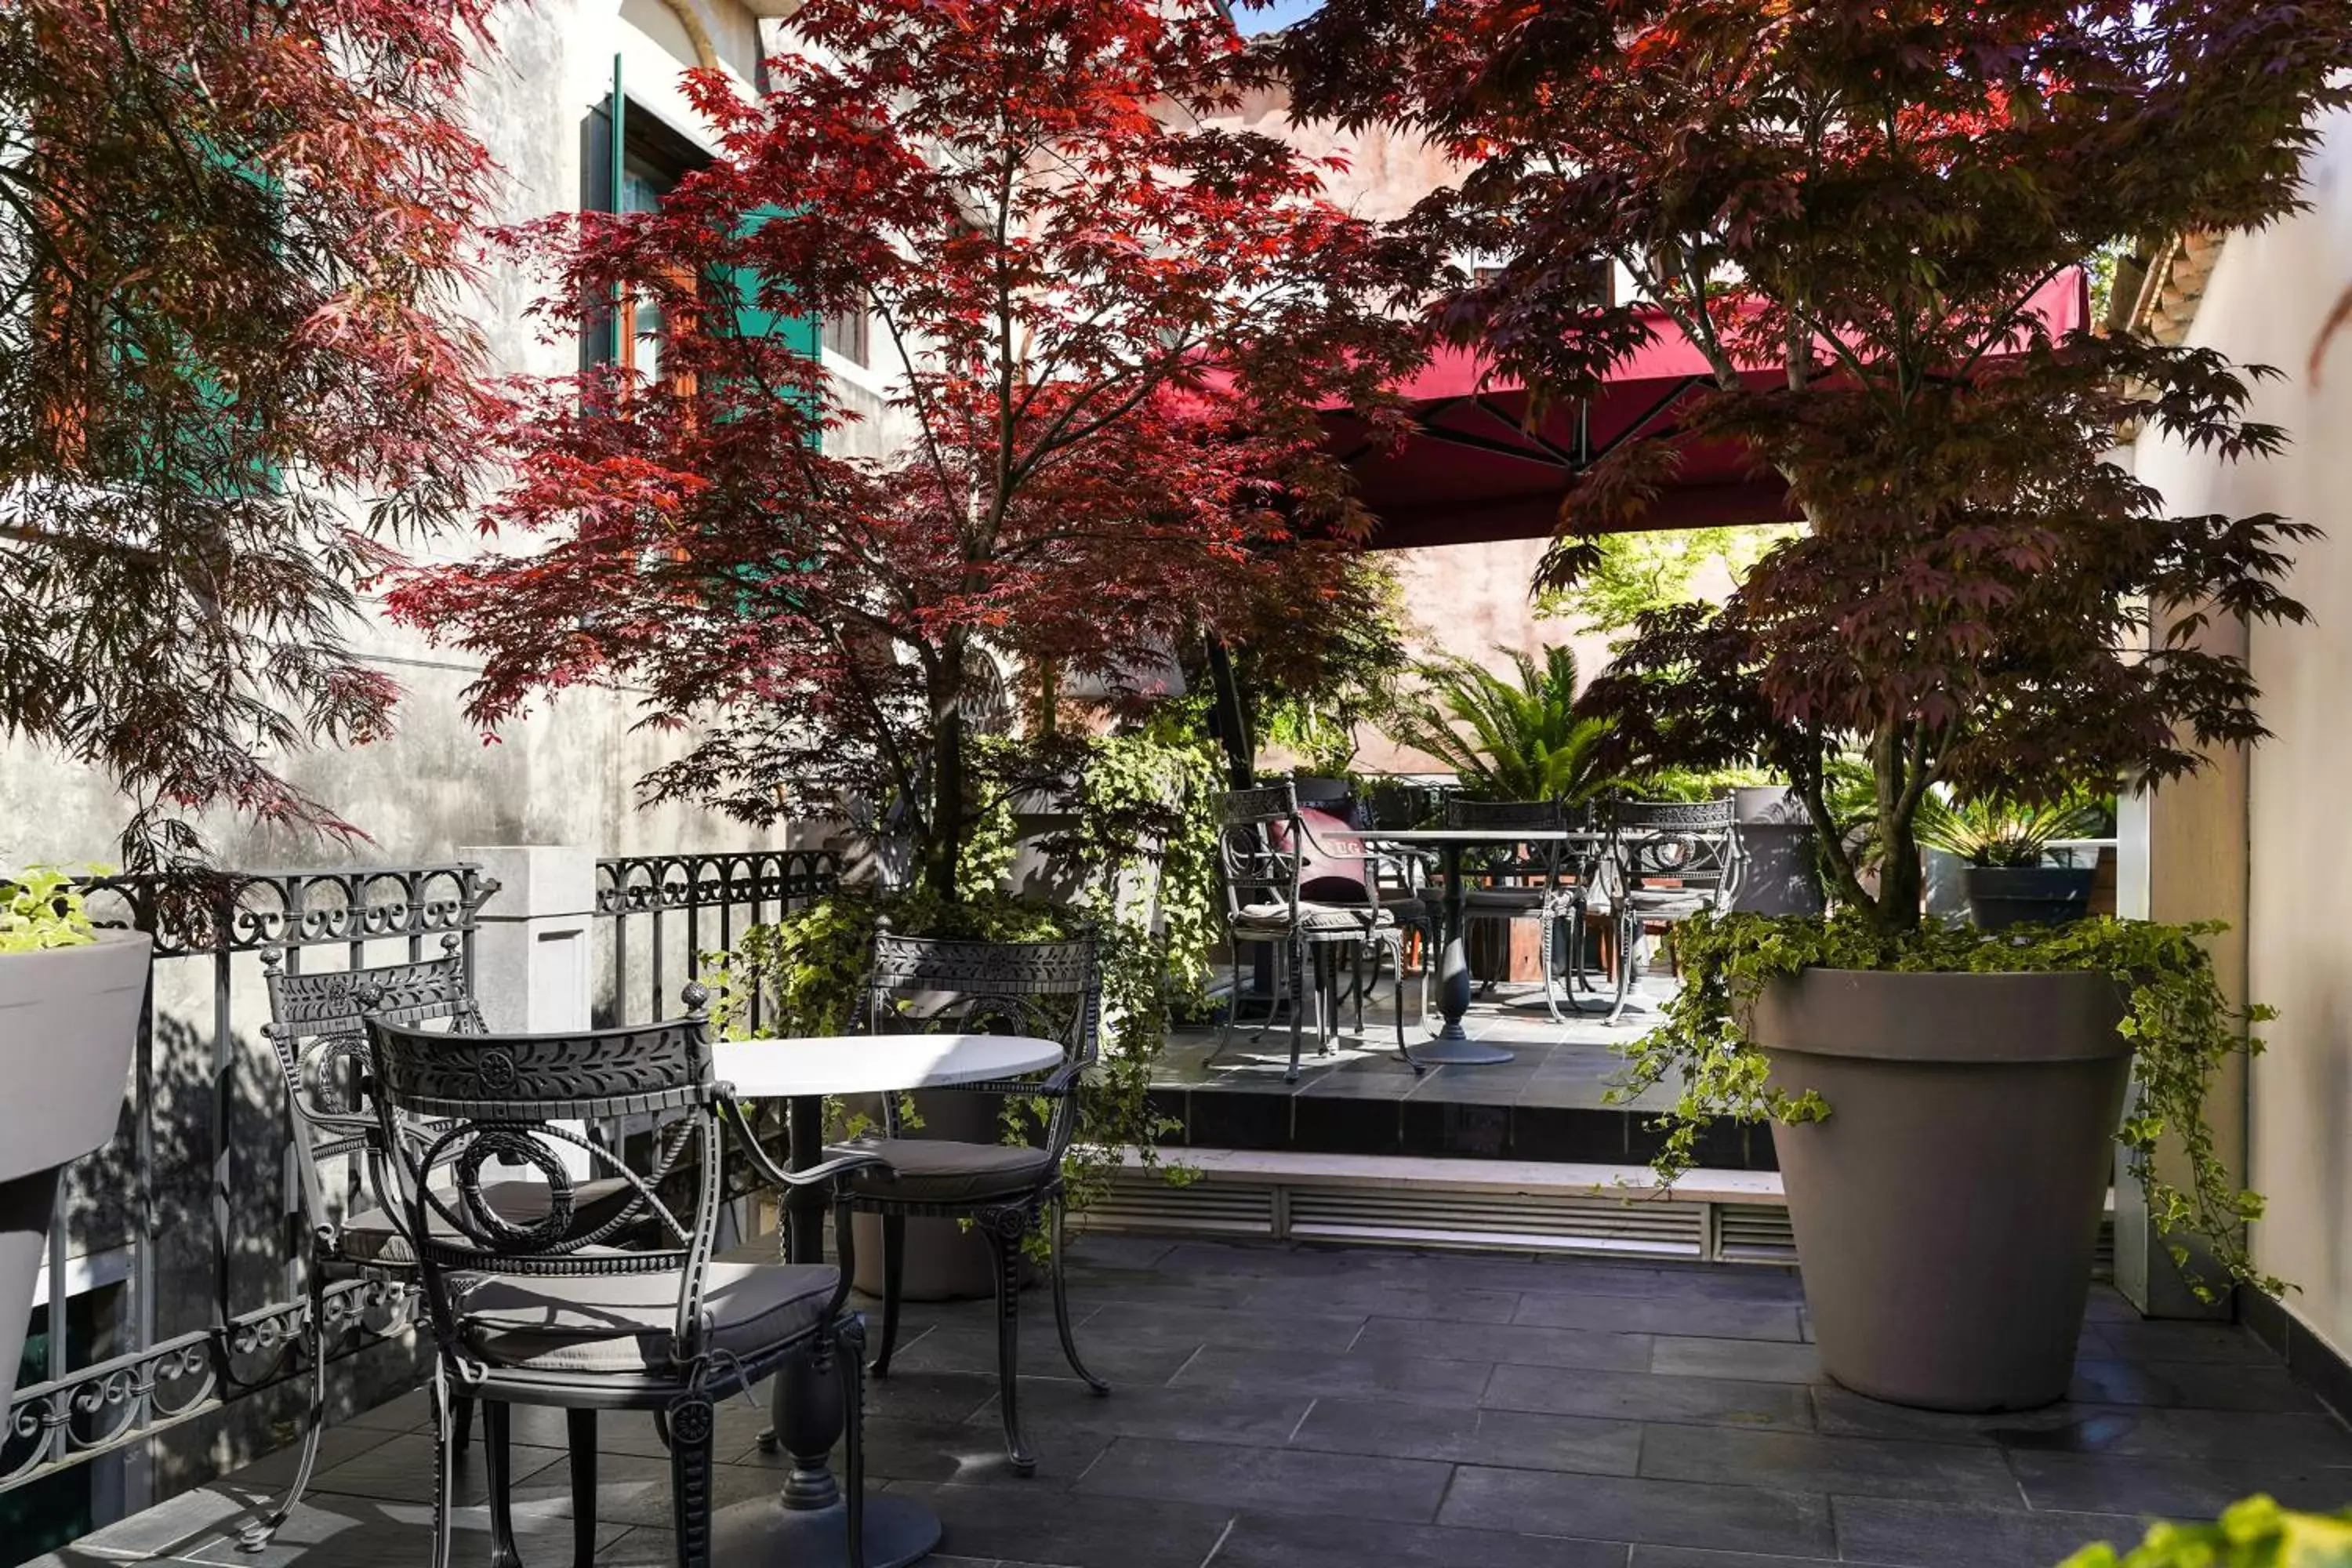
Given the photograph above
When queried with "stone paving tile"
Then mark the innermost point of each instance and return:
(400, 1469)
(1756, 1361)
(1808, 1462)
(1510, 1439)
(1338, 1374)
(1910, 1535)
(1697, 1557)
(1078, 1531)
(1644, 1397)
(1662, 1315)
(1615, 1508)
(1188, 1415)
(962, 1347)
(2178, 1487)
(1524, 1344)
(1293, 1480)
(1122, 1322)
(1290, 1541)
(2204, 1385)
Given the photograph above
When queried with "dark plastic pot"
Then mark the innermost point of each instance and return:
(2004, 896)
(69, 1022)
(1776, 832)
(1947, 1209)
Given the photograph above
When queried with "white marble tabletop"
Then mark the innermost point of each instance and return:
(872, 1064)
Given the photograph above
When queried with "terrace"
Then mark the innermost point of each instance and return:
(1292, 1408)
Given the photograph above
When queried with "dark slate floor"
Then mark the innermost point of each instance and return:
(1291, 1408)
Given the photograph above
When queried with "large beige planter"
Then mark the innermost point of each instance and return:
(1947, 1209)
(68, 1024)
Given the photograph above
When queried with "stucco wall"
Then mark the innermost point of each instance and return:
(2264, 303)
(565, 773)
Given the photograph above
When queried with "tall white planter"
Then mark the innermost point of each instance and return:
(68, 1024)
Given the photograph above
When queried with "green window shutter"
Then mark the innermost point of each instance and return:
(801, 333)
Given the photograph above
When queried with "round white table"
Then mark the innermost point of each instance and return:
(805, 1527)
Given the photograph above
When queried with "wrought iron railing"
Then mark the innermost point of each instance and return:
(667, 913)
(196, 1196)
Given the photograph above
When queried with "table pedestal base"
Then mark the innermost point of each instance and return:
(1453, 1047)
(763, 1533)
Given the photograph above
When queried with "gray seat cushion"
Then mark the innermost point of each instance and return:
(1669, 903)
(1515, 900)
(369, 1237)
(1406, 908)
(944, 1171)
(1312, 917)
(624, 1323)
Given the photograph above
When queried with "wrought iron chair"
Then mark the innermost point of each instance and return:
(1550, 882)
(630, 1313)
(1046, 990)
(1669, 860)
(315, 1027)
(1264, 847)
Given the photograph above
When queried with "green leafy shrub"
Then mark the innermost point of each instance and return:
(1142, 804)
(1506, 740)
(1997, 833)
(2255, 1533)
(39, 908)
(2180, 1026)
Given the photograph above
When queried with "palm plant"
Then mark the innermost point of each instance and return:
(1999, 833)
(1506, 740)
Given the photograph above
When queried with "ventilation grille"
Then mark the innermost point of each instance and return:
(1146, 1202)
(1517, 1221)
(1754, 1232)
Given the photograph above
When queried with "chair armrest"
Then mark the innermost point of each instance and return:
(762, 1162)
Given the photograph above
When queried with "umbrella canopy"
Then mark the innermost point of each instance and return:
(1476, 469)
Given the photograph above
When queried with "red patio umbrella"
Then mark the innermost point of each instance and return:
(1475, 468)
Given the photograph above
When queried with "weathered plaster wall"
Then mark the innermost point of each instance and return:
(563, 774)
(2264, 303)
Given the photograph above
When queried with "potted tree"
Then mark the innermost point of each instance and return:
(1864, 222)
(1108, 386)
(228, 380)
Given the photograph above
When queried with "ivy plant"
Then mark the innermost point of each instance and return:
(40, 908)
(2254, 1533)
(1144, 818)
(2181, 1026)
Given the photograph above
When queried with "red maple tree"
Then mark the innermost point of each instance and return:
(1856, 212)
(1108, 321)
(231, 238)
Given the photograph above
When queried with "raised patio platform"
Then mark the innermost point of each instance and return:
(1288, 1407)
(1547, 1104)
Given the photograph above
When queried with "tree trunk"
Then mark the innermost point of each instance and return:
(948, 790)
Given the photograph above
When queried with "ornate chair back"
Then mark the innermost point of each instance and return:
(465, 1100)
(1044, 990)
(1259, 840)
(1545, 863)
(317, 1029)
(1691, 844)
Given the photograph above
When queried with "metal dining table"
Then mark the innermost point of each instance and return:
(1451, 1046)
(805, 1527)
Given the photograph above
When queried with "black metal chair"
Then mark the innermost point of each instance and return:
(1547, 880)
(1045, 990)
(1668, 860)
(629, 1314)
(1264, 849)
(315, 1027)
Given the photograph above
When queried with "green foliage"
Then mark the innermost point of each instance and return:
(1144, 804)
(1633, 573)
(1999, 833)
(1328, 673)
(1695, 784)
(40, 909)
(2254, 1533)
(1505, 740)
(2181, 1026)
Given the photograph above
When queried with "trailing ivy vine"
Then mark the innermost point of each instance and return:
(2180, 1026)
(1141, 852)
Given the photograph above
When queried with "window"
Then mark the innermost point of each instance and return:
(652, 158)
(844, 334)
